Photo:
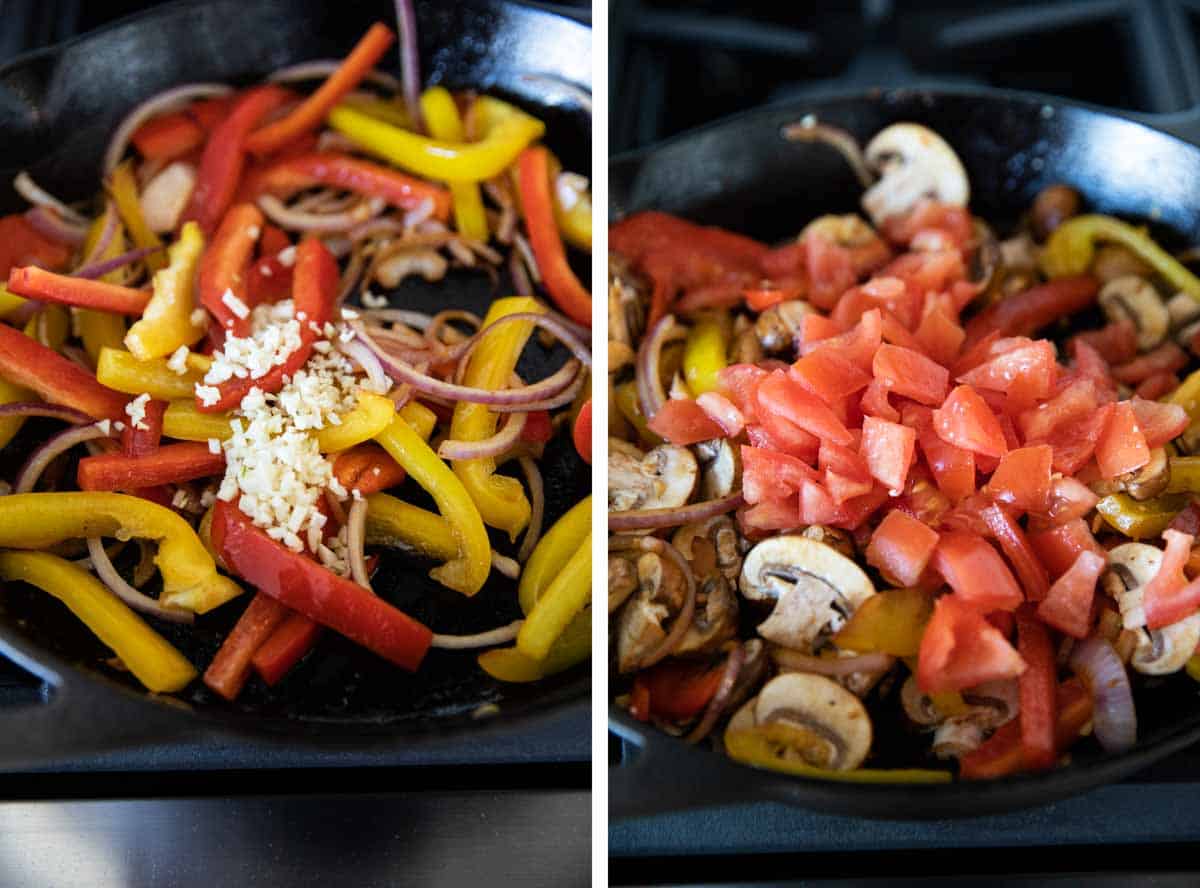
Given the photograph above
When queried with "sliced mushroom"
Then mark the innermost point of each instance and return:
(831, 725)
(914, 163)
(745, 347)
(751, 675)
(1019, 254)
(814, 589)
(987, 265)
(1136, 298)
(1053, 206)
(992, 705)
(1166, 650)
(920, 708)
(834, 537)
(715, 620)
(711, 545)
(1182, 309)
(777, 327)
(626, 303)
(1148, 481)
(1114, 261)
(662, 479)
(641, 626)
(721, 468)
(622, 580)
(1130, 567)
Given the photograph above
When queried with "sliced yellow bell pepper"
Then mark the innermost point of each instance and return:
(99, 330)
(568, 593)
(704, 354)
(505, 133)
(553, 551)
(501, 500)
(760, 747)
(573, 646)
(396, 524)
(121, 371)
(891, 622)
(9, 301)
(626, 399)
(11, 394)
(1193, 667)
(151, 659)
(441, 117)
(166, 324)
(371, 415)
(421, 418)
(381, 109)
(122, 187)
(1072, 246)
(51, 326)
(469, 569)
(190, 578)
(574, 221)
(185, 422)
(1185, 474)
(1187, 395)
(1141, 520)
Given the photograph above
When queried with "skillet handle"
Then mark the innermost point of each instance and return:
(1184, 125)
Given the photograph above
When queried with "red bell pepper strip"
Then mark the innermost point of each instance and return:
(225, 155)
(1024, 313)
(678, 689)
(307, 587)
(285, 648)
(314, 291)
(367, 468)
(311, 112)
(267, 281)
(1036, 689)
(28, 363)
(582, 433)
(37, 283)
(286, 177)
(533, 176)
(538, 428)
(273, 240)
(227, 673)
(22, 244)
(168, 136)
(142, 442)
(184, 461)
(224, 265)
(210, 112)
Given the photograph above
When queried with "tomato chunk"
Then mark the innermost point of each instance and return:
(1159, 422)
(781, 395)
(976, 572)
(1068, 604)
(768, 474)
(682, 421)
(1018, 551)
(901, 547)
(966, 421)
(1059, 546)
(1122, 446)
(1023, 478)
(888, 448)
(961, 649)
(829, 376)
(1031, 368)
(1168, 598)
(910, 373)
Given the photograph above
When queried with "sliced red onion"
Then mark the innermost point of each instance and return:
(505, 566)
(99, 269)
(499, 443)
(24, 185)
(375, 227)
(318, 69)
(649, 386)
(809, 130)
(537, 509)
(720, 699)
(352, 273)
(548, 322)
(526, 253)
(433, 332)
(49, 223)
(160, 103)
(107, 233)
(365, 358)
(52, 448)
(410, 62)
(651, 519)
(356, 523)
(1101, 670)
(24, 313)
(298, 220)
(520, 277)
(567, 396)
(416, 319)
(37, 408)
(137, 600)
(503, 635)
(836, 667)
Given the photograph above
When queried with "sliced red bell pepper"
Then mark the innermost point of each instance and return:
(37, 283)
(1007, 532)
(26, 362)
(582, 433)
(537, 203)
(314, 291)
(184, 461)
(168, 136)
(307, 587)
(538, 428)
(141, 442)
(224, 266)
(678, 690)
(367, 468)
(274, 239)
(268, 281)
(1036, 688)
(22, 244)
(230, 669)
(225, 155)
(311, 112)
(285, 648)
(210, 112)
(1024, 313)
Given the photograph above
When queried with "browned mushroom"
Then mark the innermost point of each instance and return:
(661, 479)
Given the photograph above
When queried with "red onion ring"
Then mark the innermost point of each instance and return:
(548, 322)
(649, 387)
(1101, 670)
(505, 566)
(499, 443)
(684, 620)
(375, 227)
(318, 69)
(653, 519)
(416, 319)
(537, 507)
(298, 220)
(836, 667)
(366, 359)
(808, 130)
(24, 185)
(720, 699)
(49, 223)
(491, 638)
(53, 447)
(410, 62)
(525, 251)
(116, 584)
(107, 233)
(160, 103)
(568, 395)
(356, 523)
(433, 332)
(52, 411)
(99, 269)
(520, 277)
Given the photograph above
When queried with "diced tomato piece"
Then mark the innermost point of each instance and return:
(739, 382)
(817, 506)
(1069, 499)
(1090, 364)
(1167, 597)
(1007, 532)
(966, 421)
(1022, 314)
(782, 396)
(901, 547)
(953, 467)
(1159, 422)
(976, 354)
(888, 448)
(779, 434)
(761, 299)
(845, 487)
(1076, 400)
(976, 572)
(896, 333)
(721, 411)
(1074, 443)
(829, 376)
(940, 337)
(1023, 478)
(813, 329)
(768, 474)
(1058, 547)
(923, 501)
(910, 374)
(875, 402)
(830, 270)
(773, 514)
(1122, 446)
(928, 214)
(843, 460)
(682, 421)
(855, 511)
(1116, 343)
(960, 649)
(1156, 386)
(1031, 368)
(927, 271)
(1167, 358)
(1068, 604)
(858, 344)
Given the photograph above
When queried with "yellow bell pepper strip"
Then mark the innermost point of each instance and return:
(891, 622)
(501, 500)
(370, 416)
(9, 301)
(626, 399)
(574, 217)
(552, 553)
(1187, 395)
(761, 747)
(1193, 667)
(152, 660)
(537, 205)
(505, 134)
(381, 109)
(1141, 520)
(99, 330)
(1185, 474)
(122, 188)
(1071, 247)
(51, 326)
(568, 593)
(396, 524)
(10, 425)
(167, 323)
(421, 418)
(121, 371)
(184, 422)
(704, 354)
(441, 117)
(190, 579)
(573, 646)
(469, 569)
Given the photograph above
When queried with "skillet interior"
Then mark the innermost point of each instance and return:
(58, 109)
(740, 174)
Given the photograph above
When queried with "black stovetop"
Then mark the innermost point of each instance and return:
(674, 66)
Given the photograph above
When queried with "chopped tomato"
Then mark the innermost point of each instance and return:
(782, 396)
(846, 487)
(874, 402)
(843, 460)
(1021, 314)
(953, 467)
(1023, 478)
(814, 328)
(888, 449)
(911, 374)
(723, 412)
(829, 376)
(961, 649)
(966, 421)
(772, 514)
(768, 474)
(1030, 368)
(682, 421)
(830, 270)
(896, 333)
(1068, 604)
(1122, 446)
(1167, 597)
(1076, 400)
(858, 344)
(1069, 499)
(1159, 422)
(1007, 532)
(1058, 547)
(901, 547)
(739, 382)
(940, 336)
(779, 434)
(976, 572)
(1167, 358)
(1074, 443)
(1116, 343)
(760, 299)
(927, 215)
(678, 690)
(817, 505)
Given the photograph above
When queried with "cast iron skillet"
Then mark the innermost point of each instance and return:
(57, 110)
(739, 173)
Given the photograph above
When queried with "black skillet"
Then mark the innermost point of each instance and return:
(342, 704)
(741, 174)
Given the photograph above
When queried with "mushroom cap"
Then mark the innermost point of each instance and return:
(722, 468)
(662, 479)
(915, 162)
(1130, 567)
(1166, 650)
(823, 707)
(1135, 298)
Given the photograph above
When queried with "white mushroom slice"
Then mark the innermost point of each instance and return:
(721, 468)
(1166, 650)
(716, 539)
(957, 736)
(1183, 310)
(914, 163)
(715, 620)
(814, 587)
(1148, 481)
(833, 723)
(777, 327)
(663, 479)
(642, 624)
(1130, 567)
(1135, 298)
(743, 719)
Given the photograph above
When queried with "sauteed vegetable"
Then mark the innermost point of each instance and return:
(904, 473)
(189, 327)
